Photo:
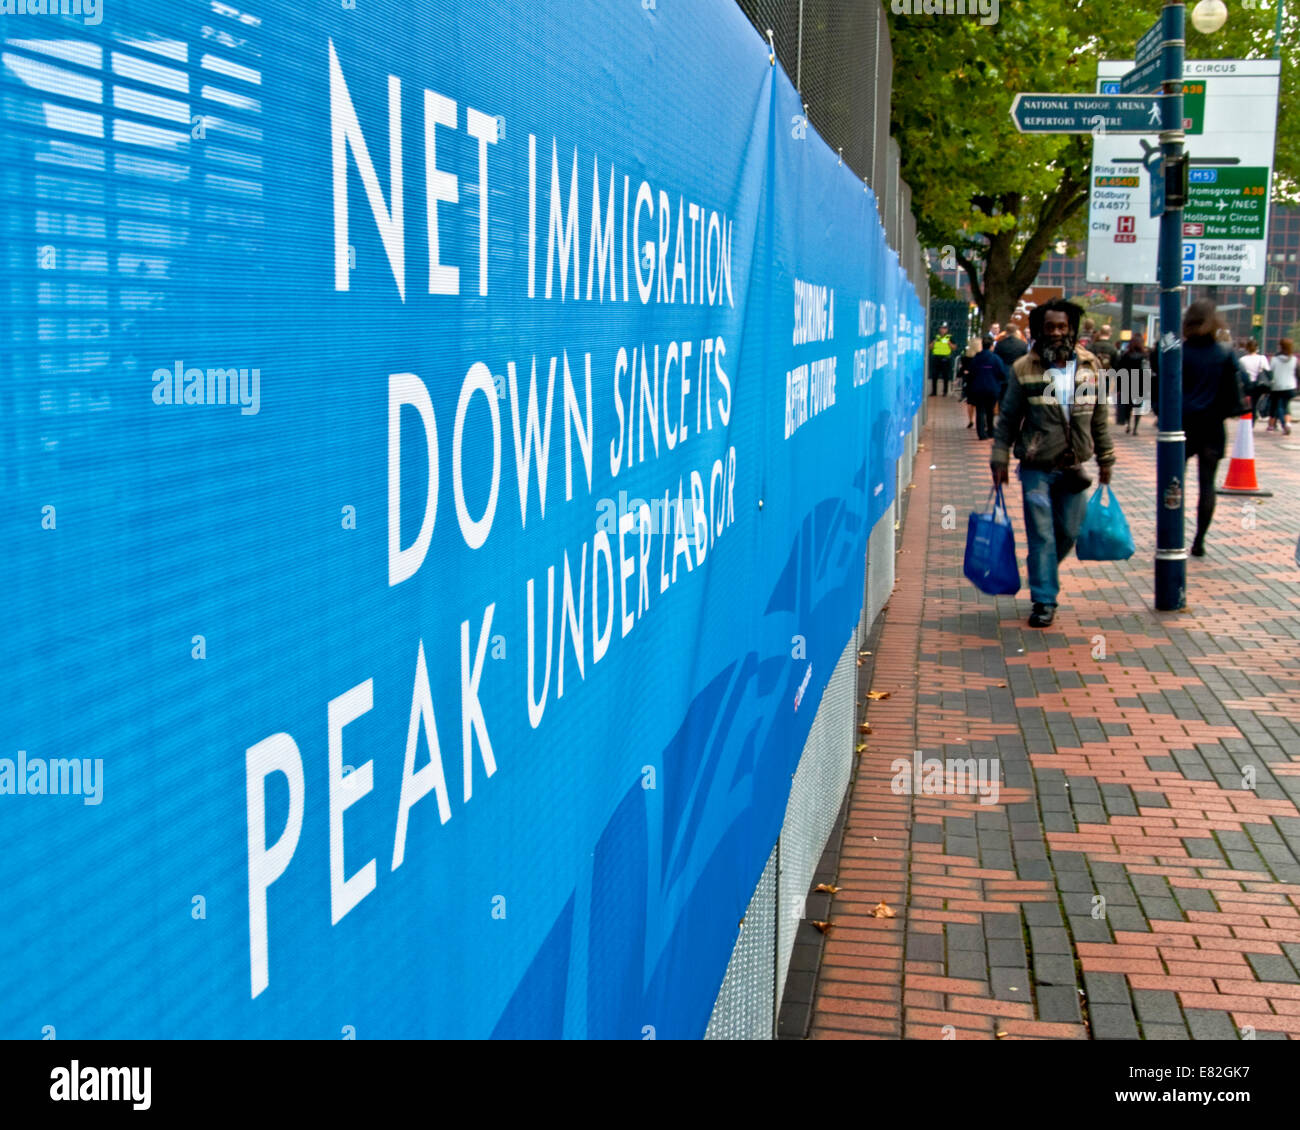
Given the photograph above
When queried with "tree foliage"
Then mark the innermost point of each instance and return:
(1001, 199)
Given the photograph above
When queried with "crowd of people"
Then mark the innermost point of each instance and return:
(1021, 395)
(1269, 382)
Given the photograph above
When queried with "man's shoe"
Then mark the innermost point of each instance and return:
(1042, 615)
(971, 425)
(1198, 548)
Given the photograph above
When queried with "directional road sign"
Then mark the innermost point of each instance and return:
(1148, 47)
(1086, 113)
(1143, 79)
(1157, 171)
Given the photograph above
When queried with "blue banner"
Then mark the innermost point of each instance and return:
(438, 450)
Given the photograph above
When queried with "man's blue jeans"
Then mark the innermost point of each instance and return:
(1052, 520)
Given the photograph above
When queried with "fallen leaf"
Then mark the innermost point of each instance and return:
(822, 926)
(1002, 684)
(1000, 1035)
(864, 727)
(883, 910)
(876, 696)
(829, 888)
(859, 662)
(861, 747)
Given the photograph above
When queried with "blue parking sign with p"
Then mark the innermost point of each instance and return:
(1189, 252)
(1189, 272)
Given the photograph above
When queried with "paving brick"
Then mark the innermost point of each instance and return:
(1054, 969)
(1194, 898)
(1120, 778)
(1007, 952)
(1112, 1021)
(1270, 968)
(925, 947)
(1059, 1004)
(1156, 1007)
(963, 937)
(1106, 988)
(969, 965)
(1002, 926)
(1010, 984)
(1049, 939)
(1042, 914)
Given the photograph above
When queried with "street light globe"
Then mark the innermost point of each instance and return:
(1209, 15)
(1284, 290)
(1250, 290)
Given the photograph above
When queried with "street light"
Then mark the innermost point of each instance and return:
(1171, 441)
(1209, 15)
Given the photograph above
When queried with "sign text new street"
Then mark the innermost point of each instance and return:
(1143, 79)
(1086, 113)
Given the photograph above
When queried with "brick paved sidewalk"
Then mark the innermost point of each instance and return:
(1139, 875)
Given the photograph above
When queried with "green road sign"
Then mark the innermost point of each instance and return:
(1086, 113)
(1194, 107)
(1231, 202)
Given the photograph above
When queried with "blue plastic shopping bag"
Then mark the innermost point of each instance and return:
(991, 550)
(1104, 535)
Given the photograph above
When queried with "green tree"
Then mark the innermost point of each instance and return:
(1000, 199)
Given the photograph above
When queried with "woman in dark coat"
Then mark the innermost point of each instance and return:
(1134, 360)
(1212, 391)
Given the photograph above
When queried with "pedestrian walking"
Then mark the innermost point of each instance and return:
(963, 373)
(1283, 384)
(1011, 347)
(1103, 348)
(1134, 366)
(1258, 377)
(1213, 385)
(940, 361)
(988, 377)
(1053, 416)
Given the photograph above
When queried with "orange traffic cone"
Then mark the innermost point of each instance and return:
(1241, 469)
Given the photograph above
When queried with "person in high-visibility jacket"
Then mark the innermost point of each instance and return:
(940, 361)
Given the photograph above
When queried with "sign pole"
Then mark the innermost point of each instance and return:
(1171, 553)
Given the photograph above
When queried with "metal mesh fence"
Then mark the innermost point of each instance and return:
(884, 75)
(893, 191)
(746, 1004)
(837, 54)
(814, 803)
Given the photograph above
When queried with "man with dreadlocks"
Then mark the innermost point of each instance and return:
(1052, 414)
